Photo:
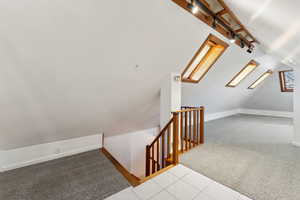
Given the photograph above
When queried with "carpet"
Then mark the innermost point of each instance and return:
(250, 154)
(87, 176)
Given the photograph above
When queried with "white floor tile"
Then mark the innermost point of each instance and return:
(147, 189)
(182, 190)
(127, 194)
(197, 180)
(165, 179)
(180, 171)
(179, 183)
(218, 191)
(203, 196)
(163, 196)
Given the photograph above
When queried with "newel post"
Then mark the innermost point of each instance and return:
(175, 138)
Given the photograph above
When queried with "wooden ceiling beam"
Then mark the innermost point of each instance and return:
(234, 17)
(225, 21)
(239, 30)
(209, 21)
(222, 12)
(205, 3)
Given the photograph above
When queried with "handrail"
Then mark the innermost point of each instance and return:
(184, 131)
(189, 109)
(162, 131)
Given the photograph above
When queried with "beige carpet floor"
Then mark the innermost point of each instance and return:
(250, 154)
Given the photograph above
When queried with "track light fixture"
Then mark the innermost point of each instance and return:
(214, 24)
(242, 44)
(233, 39)
(250, 49)
(193, 7)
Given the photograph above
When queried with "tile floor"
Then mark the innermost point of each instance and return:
(179, 183)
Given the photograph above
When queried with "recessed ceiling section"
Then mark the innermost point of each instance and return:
(204, 59)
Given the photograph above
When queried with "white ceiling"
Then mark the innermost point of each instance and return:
(275, 23)
(67, 68)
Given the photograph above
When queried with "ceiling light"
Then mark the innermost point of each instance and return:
(233, 39)
(195, 9)
(214, 24)
(250, 49)
(242, 44)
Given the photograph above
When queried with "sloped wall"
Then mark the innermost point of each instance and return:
(76, 68)
(212, 92)
(268, 96)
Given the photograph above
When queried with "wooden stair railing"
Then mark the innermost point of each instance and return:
(184, 131)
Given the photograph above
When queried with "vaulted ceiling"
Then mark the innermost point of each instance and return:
(73, 68)
(275, 23)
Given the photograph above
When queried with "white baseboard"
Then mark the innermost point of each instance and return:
(21, 157)
(214, 116)
(271, 113)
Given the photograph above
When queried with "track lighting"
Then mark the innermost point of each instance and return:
(194, 8)
(233, 39)
(195, 5)
(214, 25)
(250, 49)
(242, 44)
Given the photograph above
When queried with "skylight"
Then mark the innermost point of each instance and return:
(242, 74)
(260, 79)
(204, 59)
(286, 80)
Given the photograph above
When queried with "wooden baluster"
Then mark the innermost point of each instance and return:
(153, 160)
(198, 137)
(157, 155)
(147, 160)
(163, 150)
(202, 125)
(186, 130)
(190, 129)
(195, 130)
(168, 143)
(175, 139)
(181, 131)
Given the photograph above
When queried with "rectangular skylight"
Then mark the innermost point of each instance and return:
(204, 59)
(260, 79)
(243, 74)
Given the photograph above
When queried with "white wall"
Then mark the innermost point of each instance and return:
(20, 157)
(170, 98)
(130, 149)
(211, 92)
(268, 96)
(68, 68)
(297, 107)
(1, 160)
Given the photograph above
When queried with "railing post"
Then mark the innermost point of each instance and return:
(147, 160)
(202, 125)
(175, 138)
